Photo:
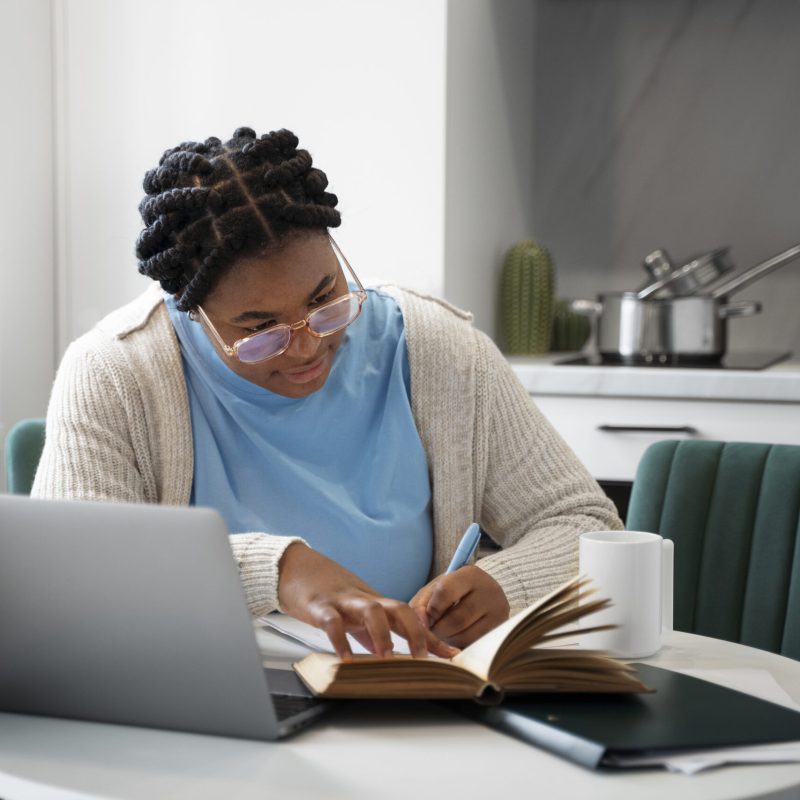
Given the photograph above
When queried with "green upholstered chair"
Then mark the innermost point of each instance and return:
(733, 512)
(23, 449)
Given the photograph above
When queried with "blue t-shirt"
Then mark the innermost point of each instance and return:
(343, 467)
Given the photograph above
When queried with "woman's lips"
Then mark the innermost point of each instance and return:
(309, 374)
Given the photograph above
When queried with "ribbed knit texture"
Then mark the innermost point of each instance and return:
(118, 428)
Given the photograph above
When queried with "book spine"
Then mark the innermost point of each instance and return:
(568, 745)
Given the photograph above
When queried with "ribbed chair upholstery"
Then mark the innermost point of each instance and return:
(23, 449)
(733, 512)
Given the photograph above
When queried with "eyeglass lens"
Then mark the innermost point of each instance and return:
(324, 321)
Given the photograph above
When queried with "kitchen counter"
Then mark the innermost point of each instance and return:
(609, 415)
(541, 376)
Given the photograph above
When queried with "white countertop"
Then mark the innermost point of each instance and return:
(541, 376)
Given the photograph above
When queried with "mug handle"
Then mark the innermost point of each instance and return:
(667, 572)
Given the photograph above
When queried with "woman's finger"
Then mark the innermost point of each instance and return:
(408, 625)
(459, 617)
(467, 636)
(419, 603)
(405, 621)
(375, 620)
(430, 643)
(438, 647)
(364, 639)
(447, 590)
(330, 620)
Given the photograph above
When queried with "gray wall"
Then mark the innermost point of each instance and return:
(670, 123)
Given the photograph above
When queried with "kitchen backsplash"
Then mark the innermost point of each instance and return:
(670, 124)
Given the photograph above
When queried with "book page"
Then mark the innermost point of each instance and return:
(391, 677)
(479, 657)
(318, 640)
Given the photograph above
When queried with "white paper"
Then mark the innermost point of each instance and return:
(692, 763)
(788, 752)
(318, 640)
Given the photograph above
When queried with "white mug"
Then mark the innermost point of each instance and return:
(634, 570)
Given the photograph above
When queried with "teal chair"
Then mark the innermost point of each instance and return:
(23, 449)
(733, 512)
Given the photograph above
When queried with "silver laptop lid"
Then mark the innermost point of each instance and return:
(127, 613)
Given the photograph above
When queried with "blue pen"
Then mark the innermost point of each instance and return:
(466, 547)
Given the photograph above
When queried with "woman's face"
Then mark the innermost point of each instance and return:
(280, 287)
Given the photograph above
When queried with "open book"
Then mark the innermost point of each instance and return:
(516, 657)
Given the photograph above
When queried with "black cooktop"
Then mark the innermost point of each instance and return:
(746, 360)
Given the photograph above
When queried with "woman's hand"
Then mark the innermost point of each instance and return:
(319, 591)
(461, 606)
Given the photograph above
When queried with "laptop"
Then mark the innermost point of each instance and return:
(134, 614)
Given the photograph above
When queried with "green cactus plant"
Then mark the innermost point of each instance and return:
(526, 297)
(570, 330)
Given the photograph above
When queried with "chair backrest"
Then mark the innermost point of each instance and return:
(23, 449)
(733, 512)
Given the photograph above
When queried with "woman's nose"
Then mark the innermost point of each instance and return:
(303, 344)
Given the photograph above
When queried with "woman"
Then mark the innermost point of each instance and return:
(348, 437)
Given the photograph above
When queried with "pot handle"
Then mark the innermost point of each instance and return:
(754, 273)
(745, 309)
(587, 308)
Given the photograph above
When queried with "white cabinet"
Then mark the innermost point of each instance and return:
(609, 415)
(609, 434)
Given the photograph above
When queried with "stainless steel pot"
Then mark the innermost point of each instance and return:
(664, 330)
(632, 329)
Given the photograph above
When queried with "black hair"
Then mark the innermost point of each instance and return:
(208, 203)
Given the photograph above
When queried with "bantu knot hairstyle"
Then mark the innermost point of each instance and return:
(208, 203)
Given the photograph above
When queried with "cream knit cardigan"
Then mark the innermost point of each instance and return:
(118, 428)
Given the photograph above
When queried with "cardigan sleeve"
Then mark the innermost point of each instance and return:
(89, 451)
(97, 448)
(538, 498)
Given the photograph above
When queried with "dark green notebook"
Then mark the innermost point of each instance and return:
(683, 714)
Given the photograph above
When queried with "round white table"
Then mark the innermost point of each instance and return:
(421, 750)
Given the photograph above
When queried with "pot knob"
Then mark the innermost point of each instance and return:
(658, 264)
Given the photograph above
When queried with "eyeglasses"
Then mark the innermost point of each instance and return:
(323, 321)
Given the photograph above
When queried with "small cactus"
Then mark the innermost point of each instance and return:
(527, 291)
(570, 330)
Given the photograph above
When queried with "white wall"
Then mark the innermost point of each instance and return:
(388, 109)
(489, 158)
(361, 83)
(26, 212)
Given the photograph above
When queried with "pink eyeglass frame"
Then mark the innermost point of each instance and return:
(197, 314)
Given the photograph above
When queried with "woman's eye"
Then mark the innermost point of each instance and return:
(323, 298)
(263, 326)
(317, 301)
